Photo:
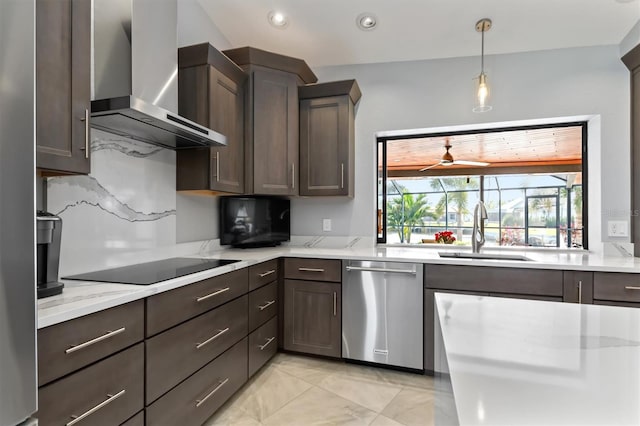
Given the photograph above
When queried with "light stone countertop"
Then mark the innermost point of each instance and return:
(523, 362)
(82, 298)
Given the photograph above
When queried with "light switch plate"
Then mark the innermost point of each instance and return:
(617, 228)
(326, 225)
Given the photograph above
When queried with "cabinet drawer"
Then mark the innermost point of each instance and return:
(175, 354)
(263, 344)
(167, 309)
(68, 346)
(197, 398)
(106, 393)
(313, 269)
(494, 280)
(262, 274)
(616, 286)
(263, 304)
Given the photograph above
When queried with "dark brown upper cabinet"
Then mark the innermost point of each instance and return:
(271, 119)
(327, 138)
(632, 61)
(63, 86)
(211, 93)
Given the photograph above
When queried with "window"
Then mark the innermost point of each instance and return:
(530, 180)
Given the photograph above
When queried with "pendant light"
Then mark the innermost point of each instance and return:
(483, 93)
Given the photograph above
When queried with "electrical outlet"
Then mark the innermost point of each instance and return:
(617, 228)
(326, 225)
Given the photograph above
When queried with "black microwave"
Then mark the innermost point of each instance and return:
(254, 221)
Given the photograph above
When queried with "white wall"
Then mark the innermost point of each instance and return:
(631, 40)
(537, 85)
(194, 26)
(197, 215)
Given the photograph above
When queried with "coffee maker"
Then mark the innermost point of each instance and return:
(49, 232)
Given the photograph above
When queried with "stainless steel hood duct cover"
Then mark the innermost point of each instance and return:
(135, 67)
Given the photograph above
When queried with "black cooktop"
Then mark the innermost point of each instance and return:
(152, 272)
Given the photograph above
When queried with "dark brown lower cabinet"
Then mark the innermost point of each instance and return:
(263, 344)
(313, 317)
(179, 351)
(577, 287)
(137, 420)
(197, 398)
(106, 393)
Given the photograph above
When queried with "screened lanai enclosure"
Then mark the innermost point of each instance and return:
(530, 181)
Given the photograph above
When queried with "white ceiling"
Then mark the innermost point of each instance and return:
(323, 32)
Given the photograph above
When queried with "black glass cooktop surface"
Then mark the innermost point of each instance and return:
(152, 272)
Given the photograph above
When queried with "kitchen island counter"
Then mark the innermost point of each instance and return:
(522, 362)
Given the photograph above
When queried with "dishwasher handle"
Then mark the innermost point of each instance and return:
(393, 271)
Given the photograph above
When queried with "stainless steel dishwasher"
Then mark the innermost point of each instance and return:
(382, 317)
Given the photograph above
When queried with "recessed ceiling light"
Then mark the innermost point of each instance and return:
(277, 19)
(366, 21)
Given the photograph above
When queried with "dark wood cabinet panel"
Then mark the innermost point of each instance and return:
(175, 354)
(116, 382)
(611, 303)
(577, 287)
(193, 401)
(273, 147)
(632, 60)
(263, 304)
(170, 308)
(616, 286)
(263, 273)
(137, 420)
(313, 269)
(327, 138)
(313, 317)
(263, 344)
(494, 280)
(429, 323)
(68, 346)
(63, 79)
(211, 93)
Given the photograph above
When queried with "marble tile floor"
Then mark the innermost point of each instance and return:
(299, 390)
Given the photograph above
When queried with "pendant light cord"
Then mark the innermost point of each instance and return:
(482, 53)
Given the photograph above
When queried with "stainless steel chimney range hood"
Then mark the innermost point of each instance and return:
(135, 70)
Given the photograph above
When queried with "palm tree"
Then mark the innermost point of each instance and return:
(405, 212)
(457, 200)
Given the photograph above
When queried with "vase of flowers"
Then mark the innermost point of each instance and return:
(445, 237)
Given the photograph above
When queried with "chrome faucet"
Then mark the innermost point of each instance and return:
(477, 236)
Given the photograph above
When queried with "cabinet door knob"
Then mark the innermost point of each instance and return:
(335, 304)
(86, 132)
(580, 291)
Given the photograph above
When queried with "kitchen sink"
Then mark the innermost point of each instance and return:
(483, 256)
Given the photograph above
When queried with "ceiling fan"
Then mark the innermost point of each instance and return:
(447, 160)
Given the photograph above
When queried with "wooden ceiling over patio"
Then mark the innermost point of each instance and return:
(536, 150)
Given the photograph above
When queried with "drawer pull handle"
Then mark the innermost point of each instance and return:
(269, 340)
(94, 341)
(266, 305)
(109, 400)
(215, 293)
(199, 402)
(311, 269)
(335, 304)
(212, 338)
(631, 287)
(267, 273)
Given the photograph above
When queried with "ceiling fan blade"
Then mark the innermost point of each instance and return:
(471, 163)
(430, 167)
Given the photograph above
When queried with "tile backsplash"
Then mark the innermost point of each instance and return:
(126, 205)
